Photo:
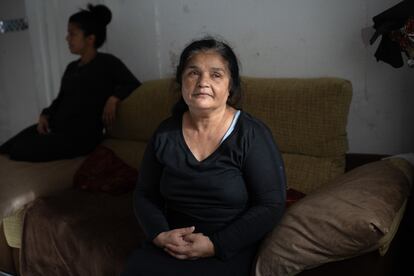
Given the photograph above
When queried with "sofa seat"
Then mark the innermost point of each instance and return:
(80, 227)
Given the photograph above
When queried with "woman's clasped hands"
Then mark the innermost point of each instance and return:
(184, 244)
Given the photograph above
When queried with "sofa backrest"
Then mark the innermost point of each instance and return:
(307, 117)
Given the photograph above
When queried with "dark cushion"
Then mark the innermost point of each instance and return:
(104, 171)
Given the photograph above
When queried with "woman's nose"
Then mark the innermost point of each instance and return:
(203, 80)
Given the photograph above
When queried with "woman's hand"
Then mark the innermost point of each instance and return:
(173, 237)
(197, 246)
(109, 111)
(43, 125)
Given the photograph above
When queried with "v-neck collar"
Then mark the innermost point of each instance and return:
(215, 152)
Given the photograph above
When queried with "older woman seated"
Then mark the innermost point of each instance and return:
(212, 182)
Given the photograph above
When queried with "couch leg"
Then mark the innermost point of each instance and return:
(7, 263)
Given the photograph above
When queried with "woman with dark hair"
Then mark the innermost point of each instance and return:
(90, 89)
(212, 180)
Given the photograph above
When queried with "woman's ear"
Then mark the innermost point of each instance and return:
(91, 39)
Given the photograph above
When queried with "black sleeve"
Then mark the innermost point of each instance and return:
(148, 202)
(264, 175)
(125, 81)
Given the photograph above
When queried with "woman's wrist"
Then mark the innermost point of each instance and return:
(113, 99)
(158, 240)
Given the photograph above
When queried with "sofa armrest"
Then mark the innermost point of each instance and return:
(22, 182)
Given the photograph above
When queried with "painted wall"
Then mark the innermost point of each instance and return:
(281, 38)
(273, 38)
(18, 106)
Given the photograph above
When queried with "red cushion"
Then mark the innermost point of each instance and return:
(104, 171)
(292, 196)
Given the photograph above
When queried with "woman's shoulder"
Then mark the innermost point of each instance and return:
(252, 123)
(168, 125)
(73, 64)
(107, 56)
(168, 130)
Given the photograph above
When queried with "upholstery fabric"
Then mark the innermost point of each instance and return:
(306, 173)
(79, 233)
(42, 178)
(129, 151)
(292, 196)
(338, 221)
(307, 117)
(140, 114)
(45, 178)
(104, 171)
(13, 228)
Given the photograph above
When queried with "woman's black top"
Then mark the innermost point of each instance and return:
(235, 196)
(78, 108)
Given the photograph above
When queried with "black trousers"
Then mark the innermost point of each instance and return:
(150, 260)
(29, 145)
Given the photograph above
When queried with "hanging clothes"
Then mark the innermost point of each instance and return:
(387, 22)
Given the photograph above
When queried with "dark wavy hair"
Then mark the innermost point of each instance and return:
(225, 51)
(93, 20)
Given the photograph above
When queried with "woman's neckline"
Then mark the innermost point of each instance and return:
(223, 141)
(89, 61)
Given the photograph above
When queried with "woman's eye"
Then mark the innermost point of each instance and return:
(216, 75)
(193, 73)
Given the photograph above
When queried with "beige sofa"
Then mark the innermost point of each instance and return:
(308, 118)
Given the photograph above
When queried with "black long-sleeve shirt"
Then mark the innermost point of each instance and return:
(234, 196)
(78, 108)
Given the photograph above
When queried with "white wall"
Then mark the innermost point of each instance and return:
(18, 106)
(274, 38)
(281, 38)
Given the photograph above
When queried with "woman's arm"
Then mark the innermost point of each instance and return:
(125, 81)
(148, 203)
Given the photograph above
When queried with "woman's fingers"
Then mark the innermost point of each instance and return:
(179, 251)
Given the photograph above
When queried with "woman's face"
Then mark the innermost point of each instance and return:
(206, 81)
(77, 41)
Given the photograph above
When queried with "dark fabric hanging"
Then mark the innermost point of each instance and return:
(392, 19)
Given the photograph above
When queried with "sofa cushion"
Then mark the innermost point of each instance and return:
(292, 196)
(339, 221)
(104, 171)
(308, 119)
(21, 182)
(306, 116)
(130, 151)
(307, 173)
(141, 113)
(79, 233)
